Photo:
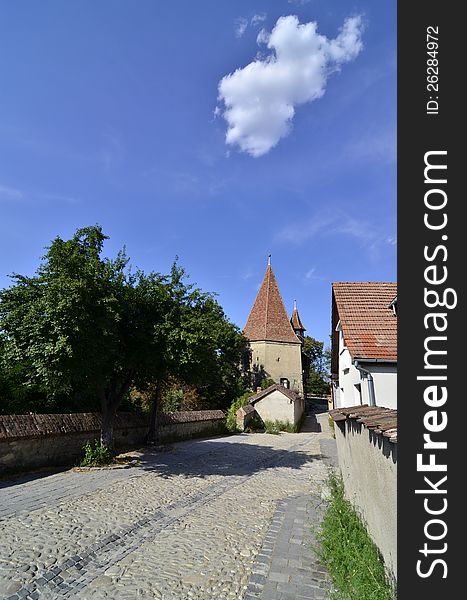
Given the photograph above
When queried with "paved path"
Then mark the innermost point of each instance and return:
(286, 568)
(190, 523)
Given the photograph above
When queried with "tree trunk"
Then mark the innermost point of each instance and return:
(153, 433)
(107, 425)
(110, 401)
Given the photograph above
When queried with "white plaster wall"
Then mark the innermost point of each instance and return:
(385, 383)
(275, 407)
(368, 464)
(349, 376)
(279, 359)
(384, 379)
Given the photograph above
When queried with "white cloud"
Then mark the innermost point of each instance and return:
(312, 276)
(374, 146)
(255, 19)
(260, 99)
(28, 195)
(241, 23)
(262, 37)
(299, 2)
(369, 236)
(9, 193)
(240, 26)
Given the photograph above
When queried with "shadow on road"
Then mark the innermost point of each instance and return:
(223, 456)
(311, 425)
(19, 478)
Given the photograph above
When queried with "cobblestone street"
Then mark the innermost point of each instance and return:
(214, 518)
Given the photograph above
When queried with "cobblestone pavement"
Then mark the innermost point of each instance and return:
(185, 524)
(286, 567)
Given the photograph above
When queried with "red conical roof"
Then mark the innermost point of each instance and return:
(268, 318)
(296, 321)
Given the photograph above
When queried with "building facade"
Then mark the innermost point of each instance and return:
(364, 344)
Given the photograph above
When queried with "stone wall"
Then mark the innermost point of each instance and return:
(367, 451)
(35, 441)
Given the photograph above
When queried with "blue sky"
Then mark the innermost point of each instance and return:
(113, 112)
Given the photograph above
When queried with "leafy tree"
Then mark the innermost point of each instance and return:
(317, 367)
(86, 326)
(84, 322)
(201, 347)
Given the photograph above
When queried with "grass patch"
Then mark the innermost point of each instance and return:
(97, 456)
(331, 426)
(275, 427)
(352, 559)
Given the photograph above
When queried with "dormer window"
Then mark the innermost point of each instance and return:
(393, 306)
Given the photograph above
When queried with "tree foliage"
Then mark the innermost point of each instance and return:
(317, 368)
(87, 327)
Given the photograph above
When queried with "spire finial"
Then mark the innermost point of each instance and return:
(269, 260)
(295, 305)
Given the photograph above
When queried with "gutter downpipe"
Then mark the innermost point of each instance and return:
(371, 385)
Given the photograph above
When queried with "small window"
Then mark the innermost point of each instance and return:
(346, 371)
(284, 382)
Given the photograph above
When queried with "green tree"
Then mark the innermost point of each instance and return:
(86, 326)
(200, 347)
(84, 322)
(317, 367)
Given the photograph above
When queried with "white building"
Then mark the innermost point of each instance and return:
(277, 403)
(364, 344)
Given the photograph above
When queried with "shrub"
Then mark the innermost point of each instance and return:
(276, 427)
(96, 456)
(331, 426)
(272, 427)
(352, 559)
(266, 382)
(231, 422)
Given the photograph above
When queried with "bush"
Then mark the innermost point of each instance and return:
(352, 559)
(276, 427)
(96, 457)
(266, 382)
(331, 426)
(231, 422)
(272, 427)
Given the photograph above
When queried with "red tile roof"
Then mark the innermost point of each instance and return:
(296, 321)
(290, 394)
(268, 318)
(368, 323)
(380, 419)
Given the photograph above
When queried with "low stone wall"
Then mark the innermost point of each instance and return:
(35, 441)
(189, 424)
(366, 439)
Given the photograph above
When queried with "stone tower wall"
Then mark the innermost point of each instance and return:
(279, 359)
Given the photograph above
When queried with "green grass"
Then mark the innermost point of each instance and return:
(275, 427)
(331, 426)
(345, 548)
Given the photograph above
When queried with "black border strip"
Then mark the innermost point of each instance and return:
(423, 128)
